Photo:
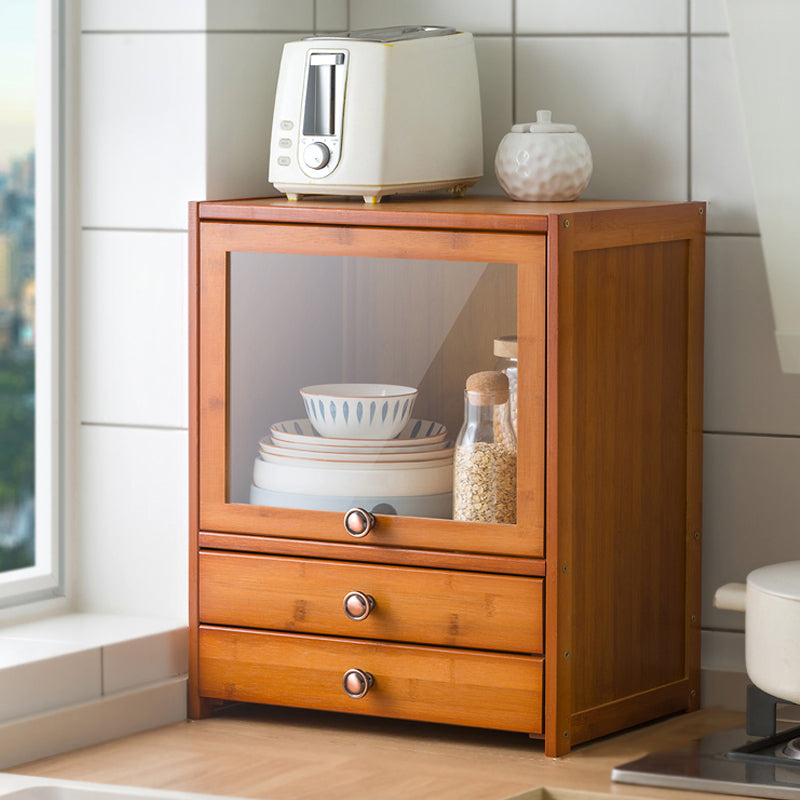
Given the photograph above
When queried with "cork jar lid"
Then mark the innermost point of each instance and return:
(487, 388)
(505, 346)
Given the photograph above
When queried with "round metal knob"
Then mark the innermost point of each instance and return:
(316, 155)
(358, 605)
(358, 522)
(357, 683)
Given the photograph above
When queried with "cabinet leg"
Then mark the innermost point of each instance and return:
(202, 707)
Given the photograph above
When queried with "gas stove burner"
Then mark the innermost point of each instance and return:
(781, 749)
(792, 749)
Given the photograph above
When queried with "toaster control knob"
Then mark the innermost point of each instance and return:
(316, 155)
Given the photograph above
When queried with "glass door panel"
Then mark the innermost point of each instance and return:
(298, 320)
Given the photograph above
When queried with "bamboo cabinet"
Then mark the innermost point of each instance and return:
(579, 619)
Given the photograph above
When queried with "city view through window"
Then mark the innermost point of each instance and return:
(17, 282)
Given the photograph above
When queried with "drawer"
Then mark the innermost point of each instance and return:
(422, 606)
(422, 683)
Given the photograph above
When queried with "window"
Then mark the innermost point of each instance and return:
(29, 248)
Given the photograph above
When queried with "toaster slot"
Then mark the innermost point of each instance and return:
(319, 118)
(323, 108)
(319, 101)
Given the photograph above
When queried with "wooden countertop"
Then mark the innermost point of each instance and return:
(282, 754)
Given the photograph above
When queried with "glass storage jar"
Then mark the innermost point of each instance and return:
(485, 465)
(505, 351)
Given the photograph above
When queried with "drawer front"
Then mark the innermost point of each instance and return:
(422, 606)
(422, 683)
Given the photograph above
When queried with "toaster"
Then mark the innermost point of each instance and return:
(377, 112)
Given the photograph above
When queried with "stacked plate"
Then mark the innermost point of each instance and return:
(411, 475)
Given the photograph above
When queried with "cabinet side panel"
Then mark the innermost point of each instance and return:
(195, 708)
(628, 470)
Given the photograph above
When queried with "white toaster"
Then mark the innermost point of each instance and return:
(377, 112)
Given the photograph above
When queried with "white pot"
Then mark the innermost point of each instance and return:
(543, 160)
(771, 602)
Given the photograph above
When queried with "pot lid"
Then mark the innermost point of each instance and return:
(781, 580)
(543, 124)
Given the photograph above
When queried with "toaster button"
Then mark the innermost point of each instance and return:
(286, 124)
(284, 161)
(316, 155)
(284, 143)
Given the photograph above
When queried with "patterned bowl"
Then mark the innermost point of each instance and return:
(359, 410)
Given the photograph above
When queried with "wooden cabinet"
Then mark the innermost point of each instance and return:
(582, 617)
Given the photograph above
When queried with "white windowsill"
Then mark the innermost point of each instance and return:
(76, 679)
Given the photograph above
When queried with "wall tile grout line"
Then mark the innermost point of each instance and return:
(688, 100)
(113, 229)
(483, 34)
(182, 32)
(753, 434)
(133, 426)
(513, 61)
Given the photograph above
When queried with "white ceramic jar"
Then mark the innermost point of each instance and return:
(543, 160)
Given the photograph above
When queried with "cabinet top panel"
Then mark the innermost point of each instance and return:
(472, 213)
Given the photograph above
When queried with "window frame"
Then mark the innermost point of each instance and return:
(45, 579)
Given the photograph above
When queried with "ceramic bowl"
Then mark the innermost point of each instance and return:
(369, 482)
(359, 410)
(430, 506)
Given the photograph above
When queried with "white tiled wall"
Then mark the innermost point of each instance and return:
(176, 106)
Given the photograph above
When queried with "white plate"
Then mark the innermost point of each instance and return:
(301, 431)
(311, 446)
(365, 482)
(300, 461)
(339, 457)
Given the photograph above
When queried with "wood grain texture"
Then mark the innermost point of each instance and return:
(197, 706)
(367, 553)
(444, 381)
(427, 606)
(295, 754)
(431, 211)
(431, 684)
(524, 540)
(694, 463)
(626, 336)
(608, 309)
(628, 469)
(558, 546)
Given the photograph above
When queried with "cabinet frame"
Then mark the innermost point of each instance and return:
(567, 255)
(526, 539)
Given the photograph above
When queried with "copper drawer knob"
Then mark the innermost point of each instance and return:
(358, 522)
(357, 683)
(358, 605)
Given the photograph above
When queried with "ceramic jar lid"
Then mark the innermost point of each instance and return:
(544, 124)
